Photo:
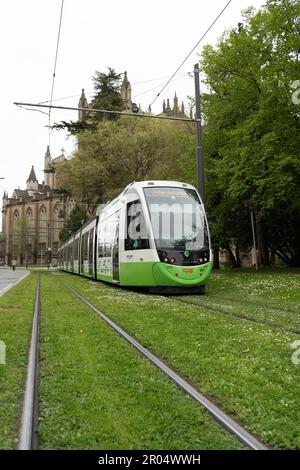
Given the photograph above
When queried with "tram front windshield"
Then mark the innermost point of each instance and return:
(177, 218)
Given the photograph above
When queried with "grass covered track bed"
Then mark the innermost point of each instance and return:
(16, 309)
(270, 298)
(97, 392)
(245, 367)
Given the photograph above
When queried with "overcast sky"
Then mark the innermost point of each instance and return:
(148, 39)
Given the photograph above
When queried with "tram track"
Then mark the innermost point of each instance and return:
(227, 422)
(28, 433)
(240, 316)
(253, 303)
(29, 418)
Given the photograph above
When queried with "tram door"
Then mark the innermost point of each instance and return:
(91, 252)
(115, 250)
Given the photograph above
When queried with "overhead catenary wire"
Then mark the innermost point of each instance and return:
(54, 68)
(77, 95)
(190, 53)
(108, 111)
(158, 86)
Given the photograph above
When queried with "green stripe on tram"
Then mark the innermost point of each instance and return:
(162, 274)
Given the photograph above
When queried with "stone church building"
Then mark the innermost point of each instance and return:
(126, 92)
(32, 218)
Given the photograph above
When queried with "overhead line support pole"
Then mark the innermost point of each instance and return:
(199, 150)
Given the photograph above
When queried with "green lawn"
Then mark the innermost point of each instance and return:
(273, 298)
(16, 309)
(244, 366)
(97, 392)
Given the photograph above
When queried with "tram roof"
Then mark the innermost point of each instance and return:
(138, 186)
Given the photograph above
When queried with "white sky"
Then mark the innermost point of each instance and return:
(148, 39)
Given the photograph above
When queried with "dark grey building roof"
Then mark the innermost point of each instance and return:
(21, 193)
(32, 175)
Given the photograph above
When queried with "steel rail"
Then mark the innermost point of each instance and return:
(226, 421)
(240, 316)
(27, 436)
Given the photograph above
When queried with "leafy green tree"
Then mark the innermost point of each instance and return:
(107, 96)
(23, 240)
(253, 138)
(75, 221)
(119, 152)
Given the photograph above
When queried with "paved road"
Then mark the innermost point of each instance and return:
(8, 278)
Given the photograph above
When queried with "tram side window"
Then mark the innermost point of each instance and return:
(106, 239)
(101, 241)
(76, 250)
(85, 246)
(137, 236)
(106, 236)
(71, 251)
(91, 248)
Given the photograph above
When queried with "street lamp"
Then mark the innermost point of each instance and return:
(49, 256)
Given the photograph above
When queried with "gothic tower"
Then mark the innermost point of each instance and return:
(32, 182)
(126, 92)
(176, 107)
(83, 103)
(48, 169)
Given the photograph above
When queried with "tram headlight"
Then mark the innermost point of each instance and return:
(172, 260)
(166, 260)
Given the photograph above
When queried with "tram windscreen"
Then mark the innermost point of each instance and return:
(177, 218)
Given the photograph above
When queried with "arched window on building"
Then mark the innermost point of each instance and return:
(15, 238)
(16, 218)
(29, 236)
(57, 227)
(43, 228)
(56, 222)
(42, 235)
(29, 221)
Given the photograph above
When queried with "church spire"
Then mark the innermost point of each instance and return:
(32, 182)
(126, 92)
(47, 159)
(32, 176)
(176, 108)
(82, 103)
(48, 170)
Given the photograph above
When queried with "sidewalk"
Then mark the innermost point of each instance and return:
(9, 278)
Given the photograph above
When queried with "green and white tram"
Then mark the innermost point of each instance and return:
(154, 234)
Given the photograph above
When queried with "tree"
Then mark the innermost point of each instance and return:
(253, 138)
(107, 96)
(75, 221)
(23, 240)
(119, 152)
